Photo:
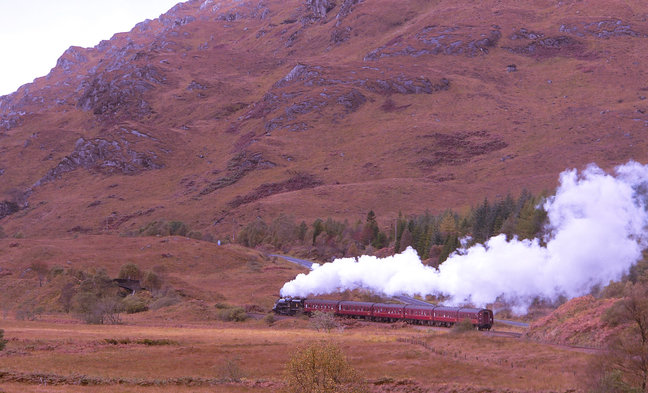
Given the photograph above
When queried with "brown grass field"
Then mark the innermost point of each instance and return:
(386, 356)
(59, 353)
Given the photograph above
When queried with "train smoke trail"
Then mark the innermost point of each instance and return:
(596, 232)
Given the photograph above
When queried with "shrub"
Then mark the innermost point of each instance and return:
(133, 304)
(164, 228)
(165, 301)
(254, 266)
(323, 321)
(234, 314)
(156, 342)
(230, 371)
(3, 342)
(321, 368)
(463, 326)
(269, 319)
(96, 300)
(103, 311)
(130, 271)
(56, 271)
(195, 235)
(29, 310)
(177, 228)
(144, 341)
(41, 269)
(152, 281)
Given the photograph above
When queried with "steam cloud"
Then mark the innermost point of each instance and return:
(596, 232)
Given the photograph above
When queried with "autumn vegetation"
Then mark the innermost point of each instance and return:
(433, 236)
(321, 368)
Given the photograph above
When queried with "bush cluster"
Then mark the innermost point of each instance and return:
(3, 342)
(231, 313)
(433, 236)
(463, 326)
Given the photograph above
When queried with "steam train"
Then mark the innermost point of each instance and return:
(431, 315)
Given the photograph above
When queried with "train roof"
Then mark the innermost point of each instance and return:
(471, 309)
(421, 306)
(366, 304)
(390, 305)
(321, 301)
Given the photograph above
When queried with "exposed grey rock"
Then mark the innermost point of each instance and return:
(71, 57)
(143, 26)
(339, 35)
(171, 18)
(247, 10)
(237, 167)
(352, 100)
(440, 40)
(345, 9)
(9, 121)
(407, 85)
(299, 72)
(298, 181)
(289, 93)
(549, 46)
(7, 208)
(230, 16)
(604, 29)
(103, 156)
(524, 34)
(196, 86)
(106, 95)
(319, 8)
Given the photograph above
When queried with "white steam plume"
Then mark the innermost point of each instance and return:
(596, 232)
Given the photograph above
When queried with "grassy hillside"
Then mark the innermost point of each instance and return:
(216, 114)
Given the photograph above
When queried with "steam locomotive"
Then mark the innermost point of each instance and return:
(431, 315)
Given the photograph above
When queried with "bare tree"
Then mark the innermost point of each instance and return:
(624, 367)
(41, 269)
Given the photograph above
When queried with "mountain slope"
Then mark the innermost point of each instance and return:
(220, 112)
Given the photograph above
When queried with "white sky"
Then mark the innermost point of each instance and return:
(35, 33)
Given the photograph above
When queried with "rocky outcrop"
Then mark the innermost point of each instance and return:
(297, 182)
(10, 120)
(72, 58)
(319, 8)
(346, 8)
(121, 94)
(440, 40)
(352, 101)
(322, 91)
(524, 34)
(537, 45)
(605, 29)
(247, 10)
(7, 208)
(300, 72)
(103, 156)
(237, 167)
(406, 85)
